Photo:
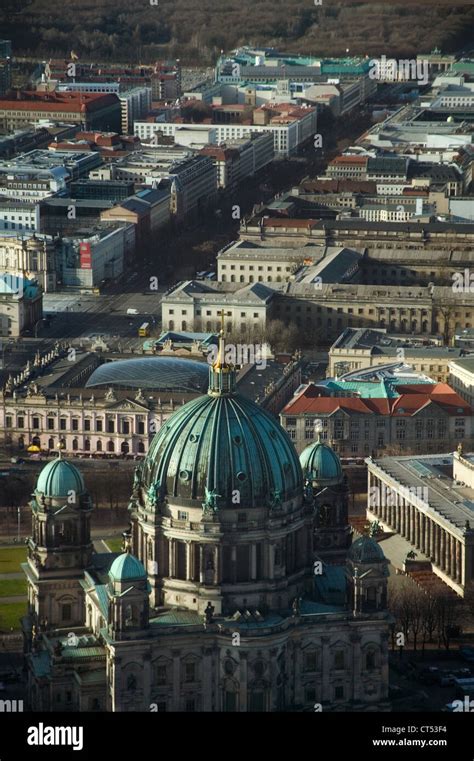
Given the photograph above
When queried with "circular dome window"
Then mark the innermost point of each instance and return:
(241, 476)
(184, 475)
(194, 437)
(237, 440)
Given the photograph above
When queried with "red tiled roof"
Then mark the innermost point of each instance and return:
(360, 160)
(64, 101)
(412, 399)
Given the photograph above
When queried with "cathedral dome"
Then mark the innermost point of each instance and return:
(366, 550)
(225, 448)
(59, 478)
(320, 463)
(127, 568)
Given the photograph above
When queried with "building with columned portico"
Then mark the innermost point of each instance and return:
(429, 500)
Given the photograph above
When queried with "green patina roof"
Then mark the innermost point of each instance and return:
(366, 550)
(127, 568)
(223, 442)
(330, 586)
(320, 463)
(385, 388)
(41, 664)
(59, 478)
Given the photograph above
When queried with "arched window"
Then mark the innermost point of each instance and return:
(75, 445)
(50, 443)
(184, 325)
(125, 449)
(242, 279)
(87, 445)
(171, 325)
(110, 446)
(99, 446)
(141, 447)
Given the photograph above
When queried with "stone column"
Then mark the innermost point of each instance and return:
(207, 680)
(201, 564)
(188, 560)
(464, 565)
(399, 512)
(442, 550)
(171, 545)
(147, 681)
(298, 694)
(413, 524)
(458, 561)
(117, 683)
(427, 536)
(325, 666)
(176, 680)
(356, 660)
(217, 565)
(253, 562)
(243, 668)
(447, 561)
(271, 560)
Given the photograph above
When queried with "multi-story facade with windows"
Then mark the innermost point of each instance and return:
(364, 418)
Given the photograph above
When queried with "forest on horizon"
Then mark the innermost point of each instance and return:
(196, 32)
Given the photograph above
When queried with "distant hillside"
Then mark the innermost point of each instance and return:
(196, 30)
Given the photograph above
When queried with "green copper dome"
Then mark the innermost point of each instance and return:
(127, 568)
(59, 478)
(320, 463)
(366, 550)
(227, 445)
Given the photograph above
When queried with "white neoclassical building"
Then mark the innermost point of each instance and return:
(429, 500)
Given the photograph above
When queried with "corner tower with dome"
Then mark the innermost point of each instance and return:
(237, 591)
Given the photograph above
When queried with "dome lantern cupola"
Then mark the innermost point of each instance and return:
(221, 373)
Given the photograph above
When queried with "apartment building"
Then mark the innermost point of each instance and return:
(134, 105)
(239, 159)
(290, 125)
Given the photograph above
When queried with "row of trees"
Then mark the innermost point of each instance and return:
(118, 30)
(424, 618)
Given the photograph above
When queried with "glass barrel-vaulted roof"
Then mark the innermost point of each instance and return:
(157, 373)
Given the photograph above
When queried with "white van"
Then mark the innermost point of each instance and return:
(132, 311)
